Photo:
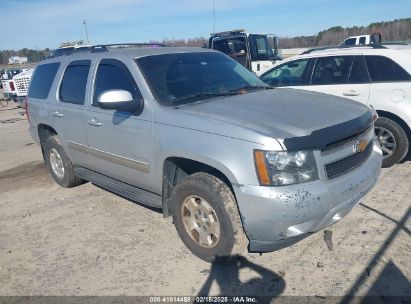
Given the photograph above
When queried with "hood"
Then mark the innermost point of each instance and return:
(284, 114)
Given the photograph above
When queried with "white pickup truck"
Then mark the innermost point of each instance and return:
(362, 40)
(21, 84)
(11, 90)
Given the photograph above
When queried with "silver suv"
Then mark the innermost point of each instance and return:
(234, 161)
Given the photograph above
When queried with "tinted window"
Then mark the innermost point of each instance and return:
(331, 70)
(384, 69)
(190, 77)
(260, 48)
(289, 74)
(359, 72)
(235, 47)
(42, 80)
(362, 40)
(114, 75)
(73, 85)
(350, 41)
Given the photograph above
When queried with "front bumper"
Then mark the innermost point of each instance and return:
(276, 217)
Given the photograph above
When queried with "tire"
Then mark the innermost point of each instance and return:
(208, 191)
(393, 139)
(64, 173)
(4, 102)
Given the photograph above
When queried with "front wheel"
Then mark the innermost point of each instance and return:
(206, 218)
(393, 141)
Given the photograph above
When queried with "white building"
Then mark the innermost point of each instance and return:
(17, 59)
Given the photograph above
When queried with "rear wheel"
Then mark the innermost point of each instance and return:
(393, 141)
(59, 164)
(4, 102)
(206, 218)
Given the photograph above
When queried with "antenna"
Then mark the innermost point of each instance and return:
(85, 28)
(213, 17)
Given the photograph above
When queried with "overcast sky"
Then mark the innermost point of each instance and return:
(47, 23)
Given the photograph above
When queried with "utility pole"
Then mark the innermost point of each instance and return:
(37, 52)
(85, 28)
(213, 17)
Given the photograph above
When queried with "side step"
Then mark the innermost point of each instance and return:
(130, 192)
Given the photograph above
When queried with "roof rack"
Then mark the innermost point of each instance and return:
(105, 47)
(373, 45)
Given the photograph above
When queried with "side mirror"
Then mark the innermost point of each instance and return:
(277, 58)
(276, 43)
(120, 100)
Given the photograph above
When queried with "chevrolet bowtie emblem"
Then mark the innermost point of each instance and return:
(361, 145)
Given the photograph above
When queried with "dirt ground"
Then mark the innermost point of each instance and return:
(87, 241)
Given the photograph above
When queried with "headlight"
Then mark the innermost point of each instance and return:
(285, 168)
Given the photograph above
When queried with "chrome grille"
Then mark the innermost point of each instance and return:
(330, 148)
(349, 163)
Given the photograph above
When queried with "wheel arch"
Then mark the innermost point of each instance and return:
(44, 132)
(398, 120)
(176, 169)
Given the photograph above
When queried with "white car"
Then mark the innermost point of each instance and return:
(378, 76)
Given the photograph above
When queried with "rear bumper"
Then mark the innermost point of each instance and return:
(276, 217)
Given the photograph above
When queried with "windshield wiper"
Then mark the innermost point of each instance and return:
(250, 88)
(200, 96)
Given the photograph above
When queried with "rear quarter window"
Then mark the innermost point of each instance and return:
(42, 80)
(383, 69)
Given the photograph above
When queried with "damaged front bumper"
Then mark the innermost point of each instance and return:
(276, 217)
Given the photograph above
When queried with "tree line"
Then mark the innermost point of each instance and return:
(397, 30)
(32, 55)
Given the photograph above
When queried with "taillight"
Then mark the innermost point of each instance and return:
(12, 88)
(26, 103)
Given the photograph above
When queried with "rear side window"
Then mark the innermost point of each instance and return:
(73, 85)
(359, 72)
(289, 74)
(114, 75)
(384, 69)
(42, 80)
(331, 70)
(350, 41)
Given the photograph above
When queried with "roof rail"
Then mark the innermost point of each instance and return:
(105, 47)
(373, 45)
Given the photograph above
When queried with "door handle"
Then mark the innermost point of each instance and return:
(94, 122)
(351, 93)
(58, 114)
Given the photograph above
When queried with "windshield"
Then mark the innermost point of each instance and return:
(189, 77)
